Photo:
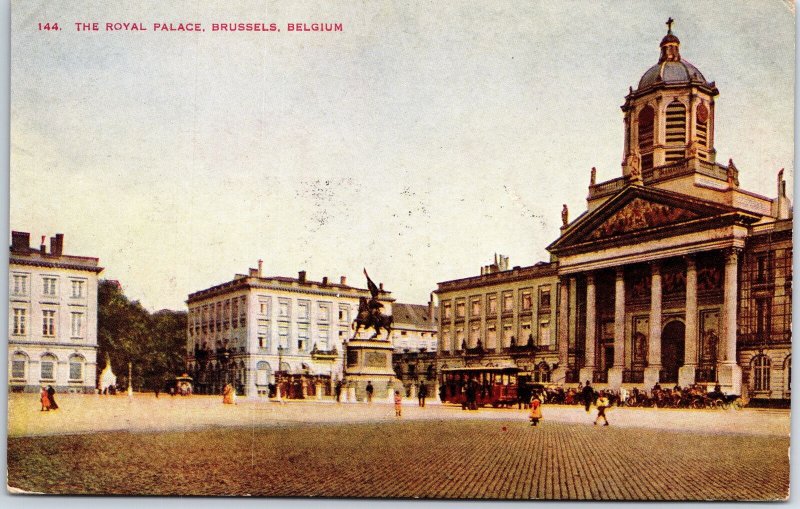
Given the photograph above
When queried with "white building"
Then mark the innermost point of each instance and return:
(52, 317)
(414, 327)
(254, 331)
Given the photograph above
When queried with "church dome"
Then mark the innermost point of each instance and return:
(671, 68)
(670, 72)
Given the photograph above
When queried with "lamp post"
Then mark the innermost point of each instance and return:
(279, 373)
(130, 379)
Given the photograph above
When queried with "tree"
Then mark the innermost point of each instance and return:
(126, 332)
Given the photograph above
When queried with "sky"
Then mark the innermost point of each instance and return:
(419, 141)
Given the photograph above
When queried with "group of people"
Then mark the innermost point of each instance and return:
(587, 394)
(48, 398)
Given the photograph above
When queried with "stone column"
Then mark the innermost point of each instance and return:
(729, 373)
(686, 374)
(591, 330)
(560, 373)
(651, 372)
(615, 373)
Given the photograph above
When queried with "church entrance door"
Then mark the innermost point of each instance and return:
(672, 349)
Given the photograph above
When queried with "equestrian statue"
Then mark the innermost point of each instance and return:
(370, 315)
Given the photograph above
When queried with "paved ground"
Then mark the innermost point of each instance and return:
(198, 446)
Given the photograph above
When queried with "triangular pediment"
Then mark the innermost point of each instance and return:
(640, 214)
(634, 211)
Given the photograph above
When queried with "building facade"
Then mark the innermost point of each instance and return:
(674, 274)
(414, 337)
(52, 317)
(504, 317)
(661, 265)
(265, 334)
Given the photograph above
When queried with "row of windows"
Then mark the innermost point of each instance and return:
(47, 366)
(19, 323)
(20, 286)
(507, 303)
(224, 315)
(454, 341)
(323, 310)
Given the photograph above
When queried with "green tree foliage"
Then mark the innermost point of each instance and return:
(154, 343)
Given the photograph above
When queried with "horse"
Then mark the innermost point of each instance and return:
(367, 319)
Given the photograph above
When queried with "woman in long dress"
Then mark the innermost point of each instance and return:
(51, 394)
(44, 398)
(227, 394)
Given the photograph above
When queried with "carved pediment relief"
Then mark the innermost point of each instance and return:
(640, 214)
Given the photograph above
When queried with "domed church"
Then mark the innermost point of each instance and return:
(674, 274)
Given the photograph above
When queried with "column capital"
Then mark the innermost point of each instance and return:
(691, 261)
(732, 255)
(655, 267)
(620, 272)
(590, 278)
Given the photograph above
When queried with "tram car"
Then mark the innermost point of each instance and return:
(473, 387)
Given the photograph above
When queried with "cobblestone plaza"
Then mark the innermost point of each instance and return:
(197, 446)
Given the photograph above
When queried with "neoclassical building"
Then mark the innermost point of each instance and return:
(255, 331)
(52, 317)
(504, 317)
(674, 274)
(678, 274)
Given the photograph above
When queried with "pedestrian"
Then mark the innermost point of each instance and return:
(587, 393)
(422, 394)
(398, 403)
(370, 390)
(51, 394)
(337, 389)
(623, 396)
(44, 398)
(536, 411)
(156, 391)
(602, 404)
(227, 395)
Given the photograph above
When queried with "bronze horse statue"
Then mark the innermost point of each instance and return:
(372, 317)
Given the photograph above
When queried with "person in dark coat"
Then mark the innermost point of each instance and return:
(51, 393)
(338, 390)
(588, 395)
(422, 394)
(370, 391)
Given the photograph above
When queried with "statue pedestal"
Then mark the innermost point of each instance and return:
(369, 360)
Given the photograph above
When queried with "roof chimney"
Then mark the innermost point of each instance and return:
(57, 244)
(20, 241)
(301, 276)
(325, 281)
(260, 266)
(380, 286)
(43, 248)
(343, 280)
(431, 314)
(251, 272)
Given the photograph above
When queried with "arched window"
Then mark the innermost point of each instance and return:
(48, 365)
(76, 363)
(19, 366)
(676, 131)
(263, 373)
(760, 366)
(646, 123)
(542, 373)
(701, 114)
(787, 374)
